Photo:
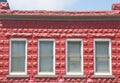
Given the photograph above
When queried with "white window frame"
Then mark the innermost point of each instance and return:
(18, 73)
(74, 73)
(110, 52)
(47, 73)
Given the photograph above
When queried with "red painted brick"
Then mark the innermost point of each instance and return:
(34, 30)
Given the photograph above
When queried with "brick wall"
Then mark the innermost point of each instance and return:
(60, 31)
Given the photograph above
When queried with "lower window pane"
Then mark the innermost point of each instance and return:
(74, 66)
(18, 64)
(46, 64)
(102, 65)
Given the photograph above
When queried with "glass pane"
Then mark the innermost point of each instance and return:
(74, 48)
(74, 66)
(18, 64)
(18, 48)
(102, 65)
(46, 48)
(74, 59)
(102, 48)
(18, 56)
(46, 56)
(46, 64)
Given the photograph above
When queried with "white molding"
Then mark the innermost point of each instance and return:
(110, 52)
(82, 69)
(47, 73)
(18, 73)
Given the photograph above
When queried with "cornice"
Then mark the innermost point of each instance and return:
(60, 18)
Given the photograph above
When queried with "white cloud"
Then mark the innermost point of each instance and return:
(40, 4)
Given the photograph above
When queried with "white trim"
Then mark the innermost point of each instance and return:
(74, 73)
(110, 52)
(47, 73)
(18, 73)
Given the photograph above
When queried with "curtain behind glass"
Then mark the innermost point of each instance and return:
(46, 56)
(74, 56)
(18, 56)
(102, 56)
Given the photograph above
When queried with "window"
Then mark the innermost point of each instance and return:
(18, 56)
(102, 56)
(46, 55)
(74, 56)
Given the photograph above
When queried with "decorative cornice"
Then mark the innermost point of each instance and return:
(59, 13)
(60, 18)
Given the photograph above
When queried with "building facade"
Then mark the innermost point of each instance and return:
(59, 46)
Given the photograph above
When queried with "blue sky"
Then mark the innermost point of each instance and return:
(71, 5)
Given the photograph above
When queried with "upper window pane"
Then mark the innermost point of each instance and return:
(18, 48)
(102, 48)
(74, 48)
(46, 48)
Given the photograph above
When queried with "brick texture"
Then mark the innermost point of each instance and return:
(60, 31)
(4, 5)
(116, 6)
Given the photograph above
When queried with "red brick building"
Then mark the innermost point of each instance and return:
(59, 46)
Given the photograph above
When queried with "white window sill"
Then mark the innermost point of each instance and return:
(46, 76)
(18, 73)
(48, 73)
(17, 76)
(74, 76)
(102, 73)
(103, 76)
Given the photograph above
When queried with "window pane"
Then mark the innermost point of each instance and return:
(46, 56)
(18, 56)
(102, 65)
(74, 53)
(18, 48)
(74, 48)
(102, 56)
(102, 48)
(46, 64)
(18, 64)
(74, 66)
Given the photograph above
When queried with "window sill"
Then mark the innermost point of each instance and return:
(46, 76)
(17, 76)
(103, 76)
(74, 76)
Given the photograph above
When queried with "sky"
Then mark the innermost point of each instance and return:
(69, 5)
